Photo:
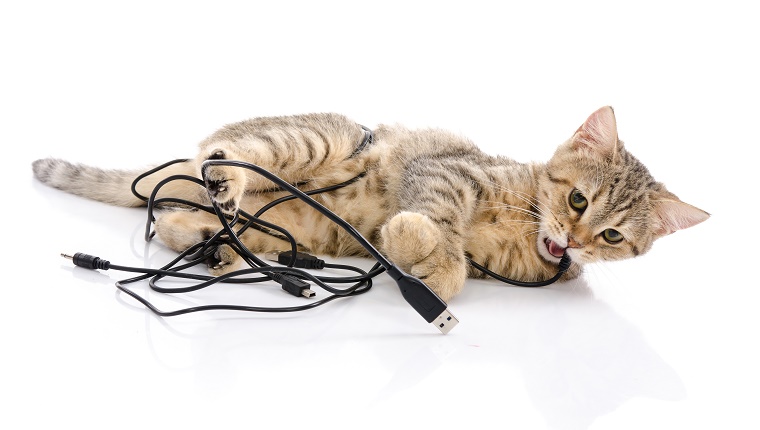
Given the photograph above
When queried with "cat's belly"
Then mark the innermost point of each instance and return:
(314, 232)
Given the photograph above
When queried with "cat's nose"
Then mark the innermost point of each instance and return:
(572, 243)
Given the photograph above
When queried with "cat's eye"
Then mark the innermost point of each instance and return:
(612, 236)
(578, 201)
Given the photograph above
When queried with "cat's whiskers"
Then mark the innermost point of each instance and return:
(545, 210)
(542, 208)
(501, 205)
(527, 198)
(532, 232)
(513, 221)
(603, 278)
(521, 195)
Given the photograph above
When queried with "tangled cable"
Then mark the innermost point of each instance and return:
(290, 276)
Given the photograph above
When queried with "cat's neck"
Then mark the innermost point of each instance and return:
(504, 231)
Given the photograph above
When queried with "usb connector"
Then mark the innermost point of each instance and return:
(293, 285)
(302, 260)
(424, 300)
(445, 322)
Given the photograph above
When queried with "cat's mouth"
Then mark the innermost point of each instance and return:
(554, 248)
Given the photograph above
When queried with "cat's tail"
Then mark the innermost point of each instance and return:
(115, 186)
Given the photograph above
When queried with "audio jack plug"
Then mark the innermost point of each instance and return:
(88, 261)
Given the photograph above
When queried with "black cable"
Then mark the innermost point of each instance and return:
(204, 250)
(417, 294)
(92, 262)
(387, 264)
(564, 264)
(150, 172)
(292, 279)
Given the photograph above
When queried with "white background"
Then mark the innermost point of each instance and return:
(668, 340)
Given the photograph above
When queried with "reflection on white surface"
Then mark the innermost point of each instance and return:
(581, 360)
(576, 358)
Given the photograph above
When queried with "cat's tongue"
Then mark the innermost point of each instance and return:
(554, 249)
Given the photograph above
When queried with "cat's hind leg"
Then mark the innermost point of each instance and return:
(298, 149)
(180, 230)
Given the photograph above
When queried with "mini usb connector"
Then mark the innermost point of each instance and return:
(293, 285)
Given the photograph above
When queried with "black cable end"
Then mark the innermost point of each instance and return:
(302, 260)
(445, 322)
(293, 285)
(424, 300)
(88, 261)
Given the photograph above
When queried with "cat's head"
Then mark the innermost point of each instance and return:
(598, 202)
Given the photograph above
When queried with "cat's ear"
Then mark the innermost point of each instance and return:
(598, 135)
(671, 215)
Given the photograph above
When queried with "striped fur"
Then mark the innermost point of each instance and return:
(428, 198)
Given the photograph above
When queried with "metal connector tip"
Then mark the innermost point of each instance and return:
(308, 293)
(272, 256)
(445, 322)
(67, 256)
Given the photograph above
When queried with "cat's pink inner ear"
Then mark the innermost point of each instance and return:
(598, 134)
(674, 215)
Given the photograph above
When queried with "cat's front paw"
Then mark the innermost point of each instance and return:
(442, 272)
(225, 184)
(414, 243)
(408, 238)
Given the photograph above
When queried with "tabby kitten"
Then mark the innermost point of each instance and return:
(429, 199)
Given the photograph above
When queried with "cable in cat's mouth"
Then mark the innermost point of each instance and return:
(555, 249)
(564, 265)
